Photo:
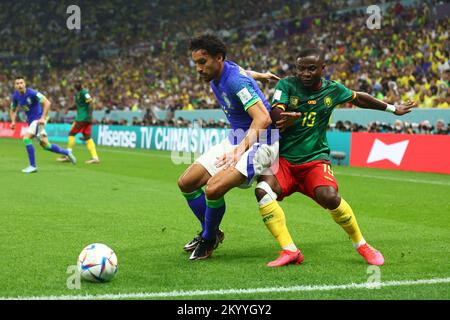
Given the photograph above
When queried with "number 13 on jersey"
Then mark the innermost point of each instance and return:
(309, 118)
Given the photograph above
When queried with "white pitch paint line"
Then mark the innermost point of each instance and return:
(304, 288)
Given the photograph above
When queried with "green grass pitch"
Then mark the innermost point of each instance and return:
(131, 203)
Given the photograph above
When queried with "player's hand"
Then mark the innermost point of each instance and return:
(12, 125)
(287, 120)
(401, 109)
(269, 76)
(229, 159)
(41, 121)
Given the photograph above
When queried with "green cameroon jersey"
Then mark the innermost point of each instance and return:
(306, 140)
(82, 100)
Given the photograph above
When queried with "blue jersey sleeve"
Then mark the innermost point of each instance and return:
(242, 88)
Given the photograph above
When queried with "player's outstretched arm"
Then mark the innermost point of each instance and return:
(366, 101)
(12, 114)
(282, 119)
(263, 77)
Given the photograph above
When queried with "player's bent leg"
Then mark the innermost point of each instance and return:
(46, 145)
(215, 190)
(194, 178)
(222, 182)
(343, 215)
(190, 184)
(274, 218)
(70, 145)
(31, 154)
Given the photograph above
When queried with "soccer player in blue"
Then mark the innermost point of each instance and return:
(36, 107)
(250, 148)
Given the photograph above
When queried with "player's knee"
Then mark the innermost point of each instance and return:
(264, 193)
(44, 144)
(184, 185)
(259, 194)
(87, 138)
(213, 191)
(328, 197)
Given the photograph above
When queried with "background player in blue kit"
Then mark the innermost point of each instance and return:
(36, 107)
(239, 159)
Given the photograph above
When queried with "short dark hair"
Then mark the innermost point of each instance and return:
(310, 52)
(19, 77)
(210, 43)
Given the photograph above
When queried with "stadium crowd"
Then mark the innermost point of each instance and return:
(399, 126)
(132, 62)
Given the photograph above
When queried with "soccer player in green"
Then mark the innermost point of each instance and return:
(301, 108)
(83, 122)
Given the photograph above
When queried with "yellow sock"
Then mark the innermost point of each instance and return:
(343, 215)
(71, 143)
(273, 217)
(91, 147)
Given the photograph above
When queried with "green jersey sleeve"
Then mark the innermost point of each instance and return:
(13, 105)
(343, 94)
(281, 94)
(40, 96)
(241, 87)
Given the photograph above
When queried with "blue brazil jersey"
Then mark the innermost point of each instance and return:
(236, 91)
(30, 102)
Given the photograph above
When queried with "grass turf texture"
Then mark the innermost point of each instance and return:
(131, 203)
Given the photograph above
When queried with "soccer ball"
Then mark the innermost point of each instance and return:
(97, 263)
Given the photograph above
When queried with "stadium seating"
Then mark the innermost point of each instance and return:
(135, 64)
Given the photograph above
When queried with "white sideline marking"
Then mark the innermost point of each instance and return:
(239, 291)
(440, 183)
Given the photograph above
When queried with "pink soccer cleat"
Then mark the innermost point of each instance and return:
(371, 255)
(287, 257)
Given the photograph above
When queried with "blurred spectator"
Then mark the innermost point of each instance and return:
(440, 127)
(425, 127)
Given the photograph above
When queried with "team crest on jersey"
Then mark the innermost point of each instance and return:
(294, 101)
(328, 101)
(28, 100)
(227, 102)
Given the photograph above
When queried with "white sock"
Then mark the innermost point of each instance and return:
(359, 244)
(290, 247)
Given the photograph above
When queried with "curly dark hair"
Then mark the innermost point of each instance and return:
(310, 52)
(211, 43)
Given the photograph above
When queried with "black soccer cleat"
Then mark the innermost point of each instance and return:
(191, 245)
(204, 249)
